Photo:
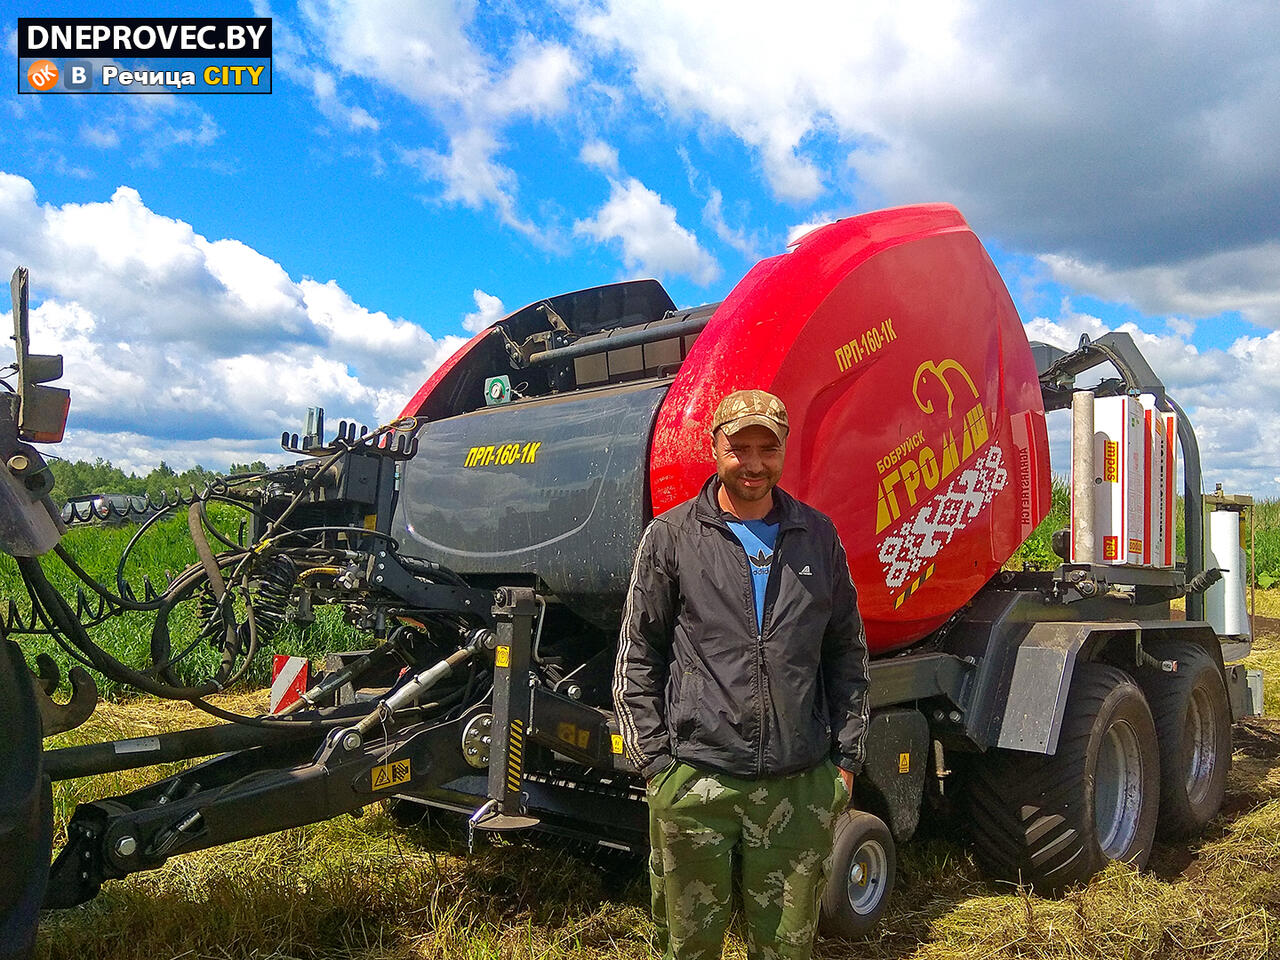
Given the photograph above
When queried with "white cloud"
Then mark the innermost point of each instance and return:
(489, 310)
(1125, 134)
(796, 232)
(774, 80)
(473, 178)
(333, 104)
(422, 51)
(1229, 396)
(295, 59)
(600, 156)
(419, 49)
(196, 350)
(713, 209)
(1246, 280)
(152, 127)
(104, 137)
(538, 83)
(652, 241)
(735, 237)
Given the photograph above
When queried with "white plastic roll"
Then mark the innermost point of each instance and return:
(1224, 603)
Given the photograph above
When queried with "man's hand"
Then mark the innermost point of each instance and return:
(847, 777)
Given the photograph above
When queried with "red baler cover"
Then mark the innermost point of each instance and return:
(916, 418)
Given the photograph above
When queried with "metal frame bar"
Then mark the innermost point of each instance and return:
(513, 622)
(1058, 370)
(618, 341)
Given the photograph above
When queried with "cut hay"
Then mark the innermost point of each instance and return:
(364, 889)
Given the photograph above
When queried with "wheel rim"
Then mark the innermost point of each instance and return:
(1117, 798)
(868, 873)
(1200, 734)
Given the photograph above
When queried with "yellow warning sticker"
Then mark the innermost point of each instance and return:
(904, 763)
(390, 774)
(502, 657)
(616, 743)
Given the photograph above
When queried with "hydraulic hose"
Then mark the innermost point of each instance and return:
(61, 616)
(408, 693)
(124, 603)
(64, 619)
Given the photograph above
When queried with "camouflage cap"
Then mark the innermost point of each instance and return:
(745, 408)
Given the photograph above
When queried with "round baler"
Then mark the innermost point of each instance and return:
(916, 425)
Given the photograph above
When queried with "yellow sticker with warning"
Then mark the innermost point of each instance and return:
(616, 743)
(502, 657)
(904, 763)
(390, 774)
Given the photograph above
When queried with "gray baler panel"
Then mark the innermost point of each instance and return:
(554, 487)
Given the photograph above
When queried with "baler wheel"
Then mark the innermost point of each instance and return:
(1193, 725)
(864, 864)
(26, 808)
(1051, 822)
(408, 814)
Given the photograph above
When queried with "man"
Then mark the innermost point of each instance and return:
(741, 687)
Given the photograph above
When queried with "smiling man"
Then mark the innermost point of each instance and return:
(741, 689)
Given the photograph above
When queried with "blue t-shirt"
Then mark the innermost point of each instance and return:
(757, 538)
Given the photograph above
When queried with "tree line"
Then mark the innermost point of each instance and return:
(76, 478)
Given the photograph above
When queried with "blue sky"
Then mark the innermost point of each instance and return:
(211, 265)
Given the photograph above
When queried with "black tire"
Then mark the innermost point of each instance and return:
(407, 813)
(26, 808)
(1193, 726)
(1051, 822)
(864, 865)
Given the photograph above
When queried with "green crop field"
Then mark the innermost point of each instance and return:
(1266, 556)
(369, 889)
(162, 553)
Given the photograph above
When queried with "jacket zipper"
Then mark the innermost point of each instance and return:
(749, 596)
(760, 628)
(765, 613)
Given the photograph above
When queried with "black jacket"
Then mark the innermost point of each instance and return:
(695, 680)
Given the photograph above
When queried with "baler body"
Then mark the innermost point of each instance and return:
(916, 424)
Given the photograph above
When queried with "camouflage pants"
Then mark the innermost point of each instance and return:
(777, 832)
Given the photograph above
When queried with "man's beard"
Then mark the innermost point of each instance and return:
(751, 493)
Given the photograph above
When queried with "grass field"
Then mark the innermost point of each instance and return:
(366, 889)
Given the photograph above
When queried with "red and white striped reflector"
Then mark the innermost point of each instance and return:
(289, 678)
